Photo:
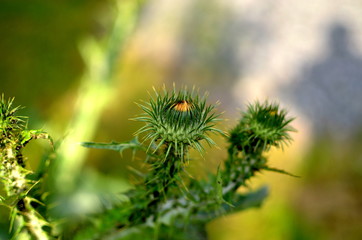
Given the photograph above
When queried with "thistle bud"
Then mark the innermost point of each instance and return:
(178, 120)
(262, 126)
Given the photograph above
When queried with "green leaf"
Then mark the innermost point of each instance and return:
(241, 202)
(279, 171)
(249, 200)
(119, 147)
(219, 183)
(219, 187)
(28, 135)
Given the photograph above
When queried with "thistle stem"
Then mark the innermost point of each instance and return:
(34, 223)
(13, 174)
(239, 167)
(165, 173)
(17, 185)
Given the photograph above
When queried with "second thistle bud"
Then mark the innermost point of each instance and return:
(263, 125)
(178, 120)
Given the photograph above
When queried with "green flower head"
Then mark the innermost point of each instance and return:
(178, 120)
(263, 125)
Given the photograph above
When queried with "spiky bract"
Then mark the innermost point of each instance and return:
(8, 120)
(178, 120)
(263, 125)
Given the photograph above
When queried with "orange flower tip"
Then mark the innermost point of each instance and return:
(182, 106)
(272, 113)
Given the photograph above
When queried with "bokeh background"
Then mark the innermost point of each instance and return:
(78, 67)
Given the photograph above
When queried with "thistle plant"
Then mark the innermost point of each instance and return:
(166, 203)
(19, 182)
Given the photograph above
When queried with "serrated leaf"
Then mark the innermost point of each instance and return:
(119, 147)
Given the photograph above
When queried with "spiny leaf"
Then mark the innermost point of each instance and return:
(119, 147)
(279, 171)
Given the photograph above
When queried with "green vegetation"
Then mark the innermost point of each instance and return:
(22, 193)
(164, 201)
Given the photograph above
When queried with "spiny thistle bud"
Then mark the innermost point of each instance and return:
(9, 122)
(178, 120)
(262, 126)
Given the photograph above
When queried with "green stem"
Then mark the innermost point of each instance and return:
(158, 183)
(239, 167)
(34, 223)
(165, 173)
(16, 185)
(96, 91)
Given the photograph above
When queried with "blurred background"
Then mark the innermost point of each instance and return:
(79, 67)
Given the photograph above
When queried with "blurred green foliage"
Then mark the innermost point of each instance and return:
(39, 47)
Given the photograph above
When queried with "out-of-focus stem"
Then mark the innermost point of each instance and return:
(94, 94)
